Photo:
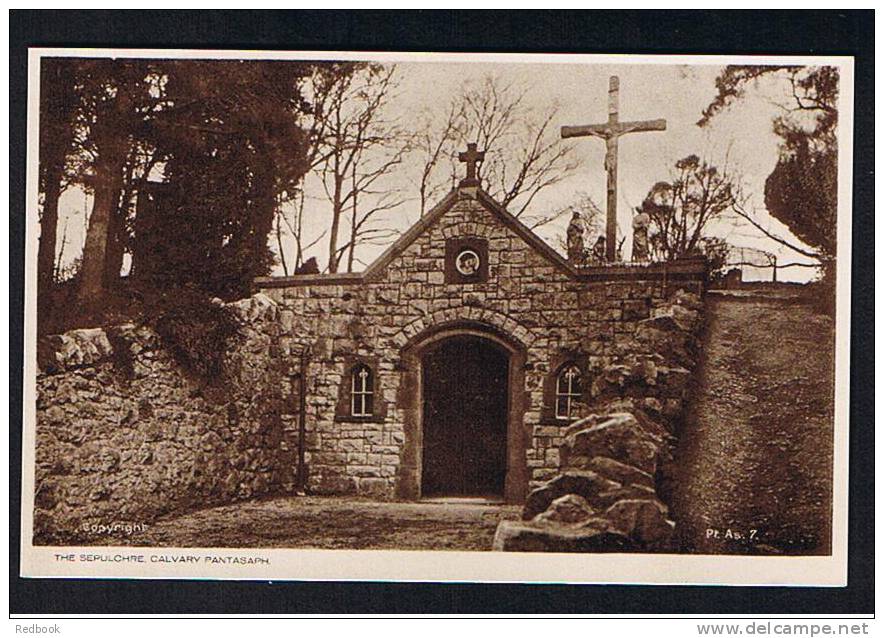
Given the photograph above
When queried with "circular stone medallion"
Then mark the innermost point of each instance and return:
(467, 262)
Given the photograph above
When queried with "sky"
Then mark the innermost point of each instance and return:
(740, 138)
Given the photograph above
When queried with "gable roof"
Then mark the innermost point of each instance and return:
(689, 269)
(488, 202)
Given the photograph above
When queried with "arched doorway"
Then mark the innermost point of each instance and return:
(465, 382)
(463, 390)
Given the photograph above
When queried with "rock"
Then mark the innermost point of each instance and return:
(644, 521)
(687, 299)
(636, 309)
(620, 472)
(634, 491)
(287, 321)
(593, 536)
(651, 426)
(673, 317)
(109, 460)
(619, 436)
(255, 307)
(100, 494)
(54, 416)
(582, 483)
(674, 380)
(665, 339)
(47, 495)
(568, 509)
(145, 455)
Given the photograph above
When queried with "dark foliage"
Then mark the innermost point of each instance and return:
(715, 250)
(233, 145)
(196, 330)
(122, 358)
(802, 192)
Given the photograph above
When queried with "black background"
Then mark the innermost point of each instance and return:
(734, 32)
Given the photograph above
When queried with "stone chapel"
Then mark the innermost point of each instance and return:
(451, 366)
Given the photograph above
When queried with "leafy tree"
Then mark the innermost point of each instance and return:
(801, 192)
(114, 106)
(681, 208)
(233, 145)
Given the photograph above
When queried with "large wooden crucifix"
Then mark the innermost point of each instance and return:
(611, 131)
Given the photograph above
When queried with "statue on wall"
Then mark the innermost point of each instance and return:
(640, 246)
(576, 250)
(599, 250)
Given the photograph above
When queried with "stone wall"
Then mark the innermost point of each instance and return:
(124, 435)
(551, 314)
(607, 496)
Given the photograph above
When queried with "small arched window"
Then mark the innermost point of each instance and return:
(567, 391)
(361, 391)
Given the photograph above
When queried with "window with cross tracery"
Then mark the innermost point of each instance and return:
(362, 391)
(567, 392)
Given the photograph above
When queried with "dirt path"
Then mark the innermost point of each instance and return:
(756, 452)
(329, 523)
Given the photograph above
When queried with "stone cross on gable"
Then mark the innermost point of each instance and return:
(471, 157)
(611, 131)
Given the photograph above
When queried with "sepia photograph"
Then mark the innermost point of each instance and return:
(559, 318)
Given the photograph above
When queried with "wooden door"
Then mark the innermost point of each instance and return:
(465, 406)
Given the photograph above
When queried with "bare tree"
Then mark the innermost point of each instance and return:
(318, 89)
(523, 153)
(435, 144)
(364, 219)
(294, 222)
(681, 208)
(359, 146)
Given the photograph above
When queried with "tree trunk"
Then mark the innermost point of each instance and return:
(48, 235)
(285, 268)
(299, 246)
(351, 255)
(108, 184)
(115, 245)
(335, 225)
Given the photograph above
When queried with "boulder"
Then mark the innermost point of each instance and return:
(568, 510)
(593, 536)
(634, 491)
(643, 521)
(582, 483)
(619, 436)
(652, 426)
(620, 472)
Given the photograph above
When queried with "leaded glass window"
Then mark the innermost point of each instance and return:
(567, 392)
(362, 391)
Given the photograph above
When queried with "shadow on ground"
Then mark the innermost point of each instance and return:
(328, 523)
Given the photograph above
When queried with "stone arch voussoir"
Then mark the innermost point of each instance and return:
(438, 319)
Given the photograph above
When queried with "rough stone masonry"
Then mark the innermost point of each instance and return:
(153, 444)
(605, 498)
